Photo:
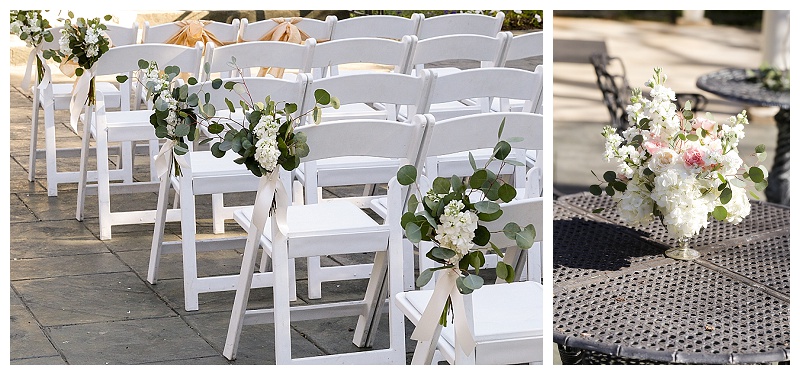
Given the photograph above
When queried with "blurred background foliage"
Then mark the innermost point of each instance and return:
(749, 19)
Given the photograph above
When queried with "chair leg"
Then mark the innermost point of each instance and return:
(280, 290)
(314, 280)
(50, 150)
(423, 353)
(34, 136)
(103, 185)
(243, 283)
(218, 213)
(189, 245)
(84, 165)
(367, 324)
(158, 230)
(125, 161)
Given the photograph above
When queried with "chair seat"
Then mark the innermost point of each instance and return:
(62, 93)
(500, 311)
(212, 175)
(353, 111)
(315, 220)
(127, 125)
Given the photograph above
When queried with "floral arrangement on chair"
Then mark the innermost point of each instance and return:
(677, 167)
(449, 215)
(32, 29)
(264, 137)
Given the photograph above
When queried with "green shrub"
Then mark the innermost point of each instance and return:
(514, 19)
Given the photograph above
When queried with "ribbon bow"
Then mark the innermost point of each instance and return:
(285, 31)
(191, 32)
(164, 156)
(270, 192)
(446, 287)
(80, 96)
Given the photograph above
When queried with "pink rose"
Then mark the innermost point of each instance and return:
(654, 145)
(706, 124)
(693, 158)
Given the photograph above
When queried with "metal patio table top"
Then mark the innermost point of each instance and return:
(617, 295)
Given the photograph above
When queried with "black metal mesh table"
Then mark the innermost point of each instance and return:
(732, 84)
(618, 299)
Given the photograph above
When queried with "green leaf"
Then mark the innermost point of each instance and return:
(610, 190)
(720, 213)
(725, 196)
(754, 195)
(143, 64)
(598, 210)
(610, 176)
(209, 110)
(239, 88)
(472, 162)
(473, 282)
(442, 253)
(525, 237)
(216, 83)
(122, 78)
(490, 217)
(180, 148)
(501, 271)
(335, 102)
(424, 277)
(487, 207)
(619, 186)
(500, 130)
(501, 150)
(507, 192)
(511, 229)
(693, 137)
(407, 175)
(761, 185)
(756, 174)
(322, 96)
(413, 233)
(290, 108)
(316, 114)
(478, 178)
(192, 81)
(229, 103)
(215, 150)
(595, 190)
(413, 202)
(482, 236)
(441, 185)
(229, 85)
(760, 149)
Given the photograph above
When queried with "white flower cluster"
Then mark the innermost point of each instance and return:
(29, 30)
(456, 229)
(267, 152)
(90, 41)
(672, 167)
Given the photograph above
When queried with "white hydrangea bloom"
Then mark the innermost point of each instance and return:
(457, 229)
(738, 207)
(267, 153)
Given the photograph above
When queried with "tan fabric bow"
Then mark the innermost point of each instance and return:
(285, 31)
(191, 32)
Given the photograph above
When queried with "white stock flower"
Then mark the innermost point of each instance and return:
(267, 153)
(457, 229)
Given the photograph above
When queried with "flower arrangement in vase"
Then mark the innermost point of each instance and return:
(678, 168)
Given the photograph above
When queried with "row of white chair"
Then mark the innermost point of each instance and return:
(341, 227)
(218, 176)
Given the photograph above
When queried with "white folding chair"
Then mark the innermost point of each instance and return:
(330, 228)
(257, 54)
(376, 26)
(56, 96)
(391, 90)
(316, 29)
(125, 126)
(360, 55)
(206, 174)
(436, 52)
(521, 47)
(506, 320)
(460, 23)
(222, 31)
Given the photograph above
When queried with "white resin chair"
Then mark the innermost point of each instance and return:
(460, 23)
(376, 26)
(257, 54)
(204, 174)
(349, 56)
(391, 90)
(521, 47)
(506, 321)
(125, 126)
(51, 97)
(222, 31)
(327, 229)
(316, 29)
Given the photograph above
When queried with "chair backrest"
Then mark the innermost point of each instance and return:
(613, 86)
(460, 23)
(362, 50)
(521, 211)
(485, 83)
(258, 88)
(378, 138)
(126, 58)
(257, 54)
(526, 45)
(389, 89)
(222, 31)
(488, 50)
(317, 29)
(376, 26)
(478, 131)
(119, 35)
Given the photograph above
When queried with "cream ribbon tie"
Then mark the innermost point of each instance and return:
(446, 286)
(285, 31)
(165, 156)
